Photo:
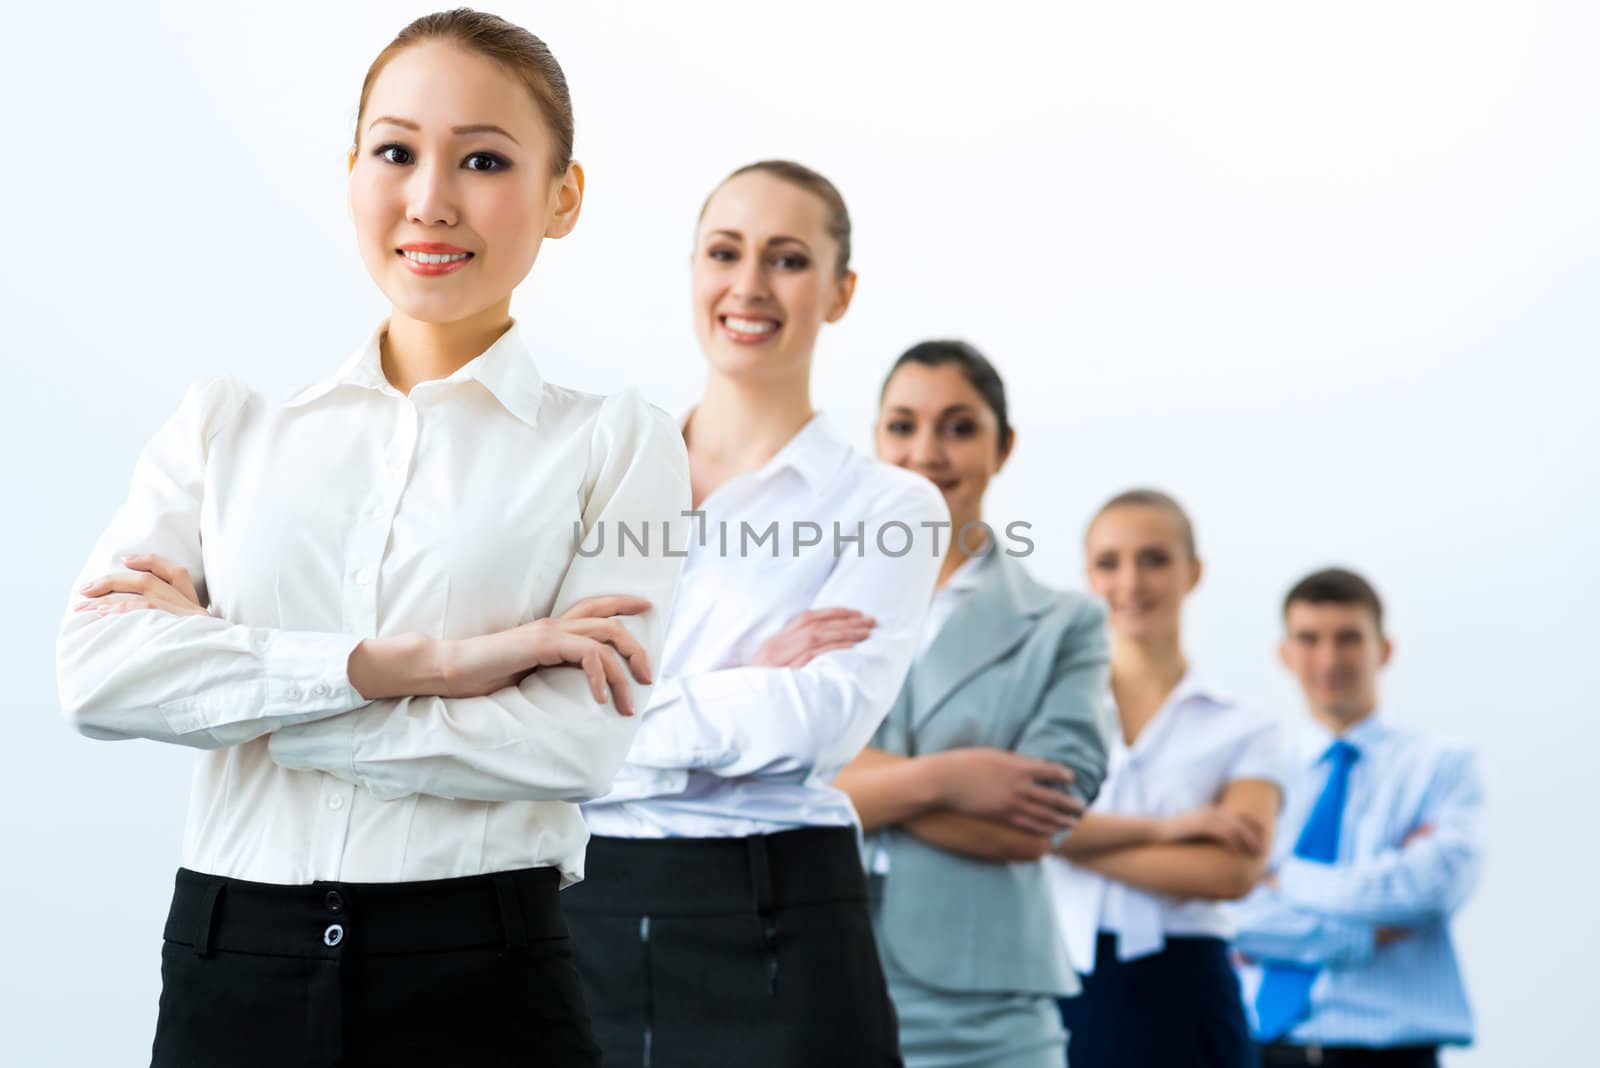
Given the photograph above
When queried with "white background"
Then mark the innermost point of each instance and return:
(1325, 271)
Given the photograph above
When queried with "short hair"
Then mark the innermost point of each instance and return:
(1145, 497)
(974, 367)
(1336, 585)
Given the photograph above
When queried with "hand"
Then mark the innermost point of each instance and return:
(1239, 831)
(810, 634)
(585, 635)
(155, 582)
(1001, 785)
(1421, 830)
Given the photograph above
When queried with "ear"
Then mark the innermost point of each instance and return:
(1199, 570)
(1385, 651)
(1005, 450)
(568, 202)
(352, 160)
(846, 289)
(1283, 653)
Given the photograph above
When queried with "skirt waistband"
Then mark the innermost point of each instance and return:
(717, 876)
(329, 918)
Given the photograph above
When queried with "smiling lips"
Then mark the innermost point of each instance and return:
(429, 258)
(748, 329)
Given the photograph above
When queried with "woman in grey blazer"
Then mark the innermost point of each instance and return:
(987, 758)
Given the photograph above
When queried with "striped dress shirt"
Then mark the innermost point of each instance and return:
(1408, 991)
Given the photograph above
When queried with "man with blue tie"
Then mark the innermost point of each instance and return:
(1347, 958)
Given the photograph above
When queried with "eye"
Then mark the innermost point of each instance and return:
(382, 152)
(1106, 563)
(962, 428)
(722, 254)
(898, 427)
(1154, 558)
(499, 163)
(792, 261)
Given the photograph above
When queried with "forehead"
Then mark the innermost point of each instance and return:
(1135, 525)
(439, 85)
(931, 389)
(1303, 615)
(761, 207)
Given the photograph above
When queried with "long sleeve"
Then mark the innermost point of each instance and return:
(546, 738)
(1273, 929)
(744, 721)
(1423, 881)
(194, 680)
(1067, 727)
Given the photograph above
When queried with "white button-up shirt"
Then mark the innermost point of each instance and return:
(353, 511)
(1196, 744)
(728, 750)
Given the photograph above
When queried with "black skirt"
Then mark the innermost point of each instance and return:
(750, 951)
(476, 970)
(1180, 1006)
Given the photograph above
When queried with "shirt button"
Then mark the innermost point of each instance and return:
(320, 689)
(333, 935)
(336, 801)
(292, 693)
(363, 577)
(334, 900)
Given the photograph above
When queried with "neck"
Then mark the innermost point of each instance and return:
(977, 538)
(1153, 664)
(1338, 722)
(414, 351)
(739, 426)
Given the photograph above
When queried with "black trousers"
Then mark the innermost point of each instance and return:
(1284, 1055)
(1180, 1006)
(470, 971)
(732, 951)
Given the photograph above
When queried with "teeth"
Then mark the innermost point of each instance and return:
(750, 326)
(434, 257)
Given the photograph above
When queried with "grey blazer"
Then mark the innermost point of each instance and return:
(1017, 666)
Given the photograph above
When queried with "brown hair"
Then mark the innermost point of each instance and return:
(517, 51)
(1153, 498)
(798, 174)
(1336, 585)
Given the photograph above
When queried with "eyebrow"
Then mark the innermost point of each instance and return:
(477, 127)
(779, 240)
(948, 410)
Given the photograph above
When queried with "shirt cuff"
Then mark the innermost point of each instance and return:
(305, 675)
(327, 745)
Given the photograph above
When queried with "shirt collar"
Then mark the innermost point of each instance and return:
(967, 577)
(815, 452)
(1316, 739)
(506, 369)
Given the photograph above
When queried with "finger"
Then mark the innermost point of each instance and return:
(595, 671)
(166, 570)
(1059, 800)
(826, 615)
(1043, 815)
(614, 633)
(121, 582)
(1048, 771)
(617, 676)
(806, 656)
(611, 604)
(840, 632)
(1033, 824)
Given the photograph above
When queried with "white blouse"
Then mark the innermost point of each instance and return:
(1197, 743)
(353, 511)
(731, 750)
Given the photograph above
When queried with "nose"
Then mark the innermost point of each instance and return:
(927, 451)
(430, 196)
(750, 281)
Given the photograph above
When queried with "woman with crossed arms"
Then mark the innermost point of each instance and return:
(408, 674)
(986, 758)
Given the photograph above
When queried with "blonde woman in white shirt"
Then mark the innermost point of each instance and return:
(1182, 824)
(725, 919)
(408, 674)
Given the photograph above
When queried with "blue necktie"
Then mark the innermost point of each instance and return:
(1285, 993)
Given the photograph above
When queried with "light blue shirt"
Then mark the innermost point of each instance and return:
(1408, 992)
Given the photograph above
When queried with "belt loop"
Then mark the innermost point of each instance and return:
(511, 918)
(760, 874)
(207, 919)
